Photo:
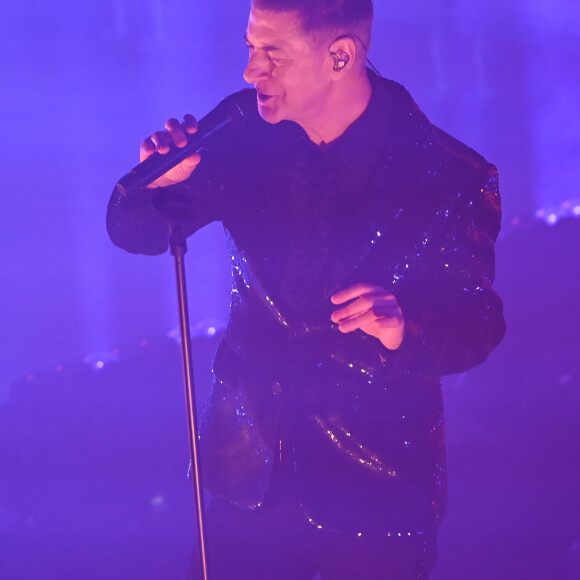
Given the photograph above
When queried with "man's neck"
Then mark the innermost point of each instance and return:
(344, 107)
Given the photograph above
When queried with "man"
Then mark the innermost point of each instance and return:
(362, 242)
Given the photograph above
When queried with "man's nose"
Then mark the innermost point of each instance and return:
(259, 67)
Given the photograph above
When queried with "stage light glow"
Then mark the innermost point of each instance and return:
(99, 360)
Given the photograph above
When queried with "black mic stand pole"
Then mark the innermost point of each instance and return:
(178, 250)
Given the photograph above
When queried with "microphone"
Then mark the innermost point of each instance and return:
(232, 110)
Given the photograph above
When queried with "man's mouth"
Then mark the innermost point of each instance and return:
(262, 97)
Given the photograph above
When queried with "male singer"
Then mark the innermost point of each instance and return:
(362, 246)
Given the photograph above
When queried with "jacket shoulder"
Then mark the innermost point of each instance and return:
(413, 131)
(462, 157)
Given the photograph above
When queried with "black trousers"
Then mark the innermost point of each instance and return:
(277, 542)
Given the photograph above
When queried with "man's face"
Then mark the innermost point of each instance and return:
(289, 70)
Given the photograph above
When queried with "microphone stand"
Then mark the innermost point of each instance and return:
(178, 248)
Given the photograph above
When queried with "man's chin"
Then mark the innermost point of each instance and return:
(269, 114)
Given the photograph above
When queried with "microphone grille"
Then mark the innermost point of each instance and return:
(243, 105)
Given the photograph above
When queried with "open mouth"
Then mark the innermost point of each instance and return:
(263, 97)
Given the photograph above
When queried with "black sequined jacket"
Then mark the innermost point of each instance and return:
(394, 201)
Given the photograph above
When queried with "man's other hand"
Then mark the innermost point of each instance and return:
(371, 309)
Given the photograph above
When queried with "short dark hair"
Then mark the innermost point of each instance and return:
(319, 15)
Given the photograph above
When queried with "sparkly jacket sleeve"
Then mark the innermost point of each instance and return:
(454, 318)
(141, 222)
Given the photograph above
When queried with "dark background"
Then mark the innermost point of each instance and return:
(93, 456)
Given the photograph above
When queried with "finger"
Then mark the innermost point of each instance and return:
(162, 141)
(147, 149)
(374, 302)
(354, 291)
(189, 123)
(379, 320)
(354, 308)
(176, 132)
(355, 323)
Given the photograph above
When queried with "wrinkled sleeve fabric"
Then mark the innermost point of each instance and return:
(454, 319)
(141, 222)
